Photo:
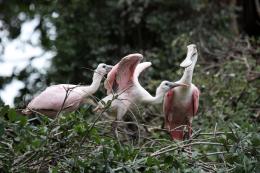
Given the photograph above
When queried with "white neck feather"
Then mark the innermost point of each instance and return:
(91, 89)
(188, 73)
(157, 99)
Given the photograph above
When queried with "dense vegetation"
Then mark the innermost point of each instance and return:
(226, 134)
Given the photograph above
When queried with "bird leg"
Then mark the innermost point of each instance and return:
(189, 130)
(114, 126)
(121, 111)
(187, 135)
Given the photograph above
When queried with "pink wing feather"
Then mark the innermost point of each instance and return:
(110, 83)
(168, 111)
(167, 108)
(139, 69)
(52, 98)
(195, 99)
(121, 76)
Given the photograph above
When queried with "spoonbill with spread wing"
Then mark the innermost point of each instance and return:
(124, 89)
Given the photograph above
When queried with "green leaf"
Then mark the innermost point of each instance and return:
(79, 128)
(22, 120)
(151, 161)
(256, 140)
(4, 110)
(12, 115)
(232, 137)
(2, 129)
(168, 160)
(36, 143)
(53, 169)
(17, 139)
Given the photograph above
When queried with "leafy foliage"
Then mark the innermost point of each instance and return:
(90, 32)
(70, 143)
(225, 139)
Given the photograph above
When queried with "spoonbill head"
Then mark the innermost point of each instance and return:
(103, 68)
(165, 86)
(191, 56)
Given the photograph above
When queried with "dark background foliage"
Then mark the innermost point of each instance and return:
(89, 32)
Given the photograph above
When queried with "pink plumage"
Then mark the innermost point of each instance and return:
(121, 75)
(195, 96)
(52, 99)
(181, 103)
(111, 76)
(179, 113)
(123, 81)
(66, 97)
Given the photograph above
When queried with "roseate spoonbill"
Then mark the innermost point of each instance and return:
(66, 97)
(181, 104)
(123, 80)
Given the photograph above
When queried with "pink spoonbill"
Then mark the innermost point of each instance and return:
(181, 103)
(66, 97)
(122, 82)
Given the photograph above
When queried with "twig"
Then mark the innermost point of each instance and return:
(186, 145)
(215, 129)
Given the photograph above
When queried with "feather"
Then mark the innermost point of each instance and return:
(121, 75)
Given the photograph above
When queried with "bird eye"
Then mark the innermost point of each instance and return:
(167, 84)
(104, 66)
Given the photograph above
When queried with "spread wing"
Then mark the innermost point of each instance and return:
(195, 100)
(110, 83)
(52, 98)
(140, 68)
(121, 76)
